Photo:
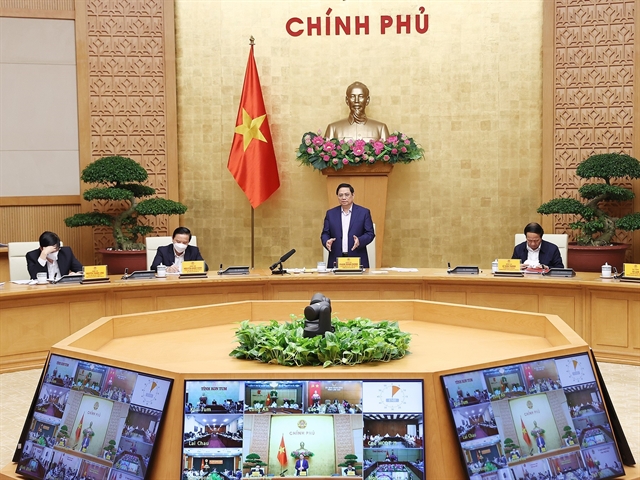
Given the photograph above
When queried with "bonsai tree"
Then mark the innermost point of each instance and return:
(62, 435)
(253, 460)
(110, 449)
(597, 227)
(350, 460)
(119, 180)
(510, 446)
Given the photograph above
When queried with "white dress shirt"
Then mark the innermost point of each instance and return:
(346, 220)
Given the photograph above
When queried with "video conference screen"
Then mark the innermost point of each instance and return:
(92, 421)
(544, 419)
(254, 428)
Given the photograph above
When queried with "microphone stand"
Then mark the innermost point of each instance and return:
(278, 270)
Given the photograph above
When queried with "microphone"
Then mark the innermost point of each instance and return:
(283, 258)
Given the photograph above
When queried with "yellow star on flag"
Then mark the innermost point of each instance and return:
(250, 128)
(281, 450)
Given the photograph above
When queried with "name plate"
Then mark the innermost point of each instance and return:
(95, 272)
(508, 265)
(303, 473)
(197, 266)
(632, 270)
(351, 472)
(348, 263)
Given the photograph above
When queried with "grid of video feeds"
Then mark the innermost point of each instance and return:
(541, 420)
(254, 428)
(92, 422)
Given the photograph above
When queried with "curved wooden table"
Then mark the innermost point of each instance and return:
(605, 313)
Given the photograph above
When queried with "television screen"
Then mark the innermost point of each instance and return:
(255, 428)
(542, 419)
(91, 420)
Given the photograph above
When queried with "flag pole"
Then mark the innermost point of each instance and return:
(252, 236)
(251, 43)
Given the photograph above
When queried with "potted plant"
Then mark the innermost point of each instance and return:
(119, 180)
(62, 436)
(351, 460)
(109, 450)
(252, 461)
(596, 227)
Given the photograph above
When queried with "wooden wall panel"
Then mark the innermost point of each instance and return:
(62, 9)
(589, 76)
(131, 93)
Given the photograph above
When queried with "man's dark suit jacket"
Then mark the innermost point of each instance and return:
(549, 254)
(360, 225)
(67, 262)
(167, 256)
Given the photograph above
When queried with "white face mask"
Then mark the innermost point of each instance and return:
(52, 256)
(179, 247)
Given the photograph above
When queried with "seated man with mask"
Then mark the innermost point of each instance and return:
(179, 251)
(52, 259)
(535, 251)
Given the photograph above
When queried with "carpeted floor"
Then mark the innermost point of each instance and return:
(17, 391)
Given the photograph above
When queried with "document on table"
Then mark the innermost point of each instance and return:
(399, 269)
(24, 282)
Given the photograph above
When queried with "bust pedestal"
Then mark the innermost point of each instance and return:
(370, 185)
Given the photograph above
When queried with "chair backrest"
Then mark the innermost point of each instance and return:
(18, 260)
(560, 240)
(371, 252)
(154, 242)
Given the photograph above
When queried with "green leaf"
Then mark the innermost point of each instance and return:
(114, 169)
(160, 206)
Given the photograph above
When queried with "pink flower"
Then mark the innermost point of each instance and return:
(403, 149)
(318, 140)
(309, 150)
(371, 159)
(328, 147)
(307, 140)
(334, 153)
(325, 158)
(378, 147)
(335, 161)
(394, 151)
(357, 151)
(407, 142)
(345, 161)
(365, 157)
(392, 139)
(386, 158)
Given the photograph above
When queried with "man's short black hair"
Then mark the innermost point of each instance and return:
(181, 231)
(48, 239)
(344, 185)
(534, 227)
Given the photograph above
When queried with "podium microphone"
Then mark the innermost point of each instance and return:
(283, 258)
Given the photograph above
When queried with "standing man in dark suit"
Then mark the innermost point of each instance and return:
(348, 228)
(179, 251)
(51, 258)
(535, 251)
(302, 465)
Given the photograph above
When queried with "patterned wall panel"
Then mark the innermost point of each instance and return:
(593, 89)
(128, 90)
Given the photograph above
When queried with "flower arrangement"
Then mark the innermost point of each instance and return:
(321, 152)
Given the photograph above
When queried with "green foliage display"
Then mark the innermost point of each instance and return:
(596, 226)
(119, 181)
(354, 341)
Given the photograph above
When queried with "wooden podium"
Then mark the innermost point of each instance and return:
(370, 184)
(194, 343)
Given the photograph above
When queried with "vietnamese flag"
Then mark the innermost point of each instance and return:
(79, 429)
(525, 434)
(282, 453)
(252, 160)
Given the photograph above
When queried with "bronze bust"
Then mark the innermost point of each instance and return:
(357, 126)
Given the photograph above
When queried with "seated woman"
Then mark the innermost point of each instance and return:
(179, 251)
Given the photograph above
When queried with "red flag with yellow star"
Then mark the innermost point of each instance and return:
(282, 453)
(252, 160)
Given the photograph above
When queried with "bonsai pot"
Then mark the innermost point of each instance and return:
(117, 260)
(590, 259)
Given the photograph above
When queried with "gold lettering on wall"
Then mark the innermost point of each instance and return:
(593, 91)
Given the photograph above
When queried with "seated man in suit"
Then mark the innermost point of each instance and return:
(348, 228)
(535, 251)
(51, 258)
(173, 255)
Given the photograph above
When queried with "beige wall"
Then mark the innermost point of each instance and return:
(469, 90)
